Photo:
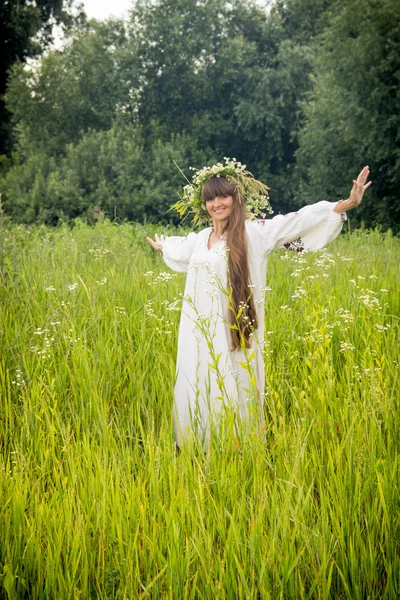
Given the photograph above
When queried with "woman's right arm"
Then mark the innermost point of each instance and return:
(157, 243)
(176, 250)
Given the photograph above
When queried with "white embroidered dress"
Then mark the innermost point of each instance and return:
(210, 376)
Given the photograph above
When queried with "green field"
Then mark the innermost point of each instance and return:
(95, 502)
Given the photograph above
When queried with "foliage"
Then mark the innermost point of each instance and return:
(107, 169)
(352, 116)
(95, 502)
(25, 30)
(70, 92)
(192, 82)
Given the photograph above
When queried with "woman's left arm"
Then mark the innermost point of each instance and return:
(311, 227)
(356, 193)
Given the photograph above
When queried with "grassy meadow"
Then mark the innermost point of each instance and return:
(96, 503)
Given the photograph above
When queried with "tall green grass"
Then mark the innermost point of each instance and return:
(95, 502)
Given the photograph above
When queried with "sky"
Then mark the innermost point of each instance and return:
(102, 9)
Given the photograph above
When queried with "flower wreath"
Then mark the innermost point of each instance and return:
(254, 192)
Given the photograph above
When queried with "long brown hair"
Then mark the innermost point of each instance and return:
(242, 310)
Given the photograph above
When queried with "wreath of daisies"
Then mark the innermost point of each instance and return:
(254, 192)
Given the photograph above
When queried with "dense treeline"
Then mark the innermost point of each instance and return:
(26, 29)
(304, 93)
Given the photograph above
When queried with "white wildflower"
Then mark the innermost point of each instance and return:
(344, 346)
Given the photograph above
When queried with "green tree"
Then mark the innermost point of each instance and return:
(268, 113)
(105, 168)
(70, 92)
(302, 20)
(193, 59)
(186, 90)
(25, 30)
(353, 113)
(102, 121)
(268, 118)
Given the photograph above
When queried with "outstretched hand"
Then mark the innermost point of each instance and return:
(358, 189)
(356, 193)
(157, 243)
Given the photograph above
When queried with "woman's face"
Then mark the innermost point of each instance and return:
(220, 207)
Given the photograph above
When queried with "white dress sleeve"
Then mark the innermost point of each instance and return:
(310, 228)
(178, 250)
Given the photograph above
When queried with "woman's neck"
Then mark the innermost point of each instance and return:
(219, 227)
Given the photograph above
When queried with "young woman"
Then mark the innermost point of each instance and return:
(220, 364)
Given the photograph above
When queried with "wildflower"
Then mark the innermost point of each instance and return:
(369, 299)
(345, 315)
(164, 276)
(18, 381)
(299, 293)
(344, 346)
(296, 273)
(99, 252)
(174, 306)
